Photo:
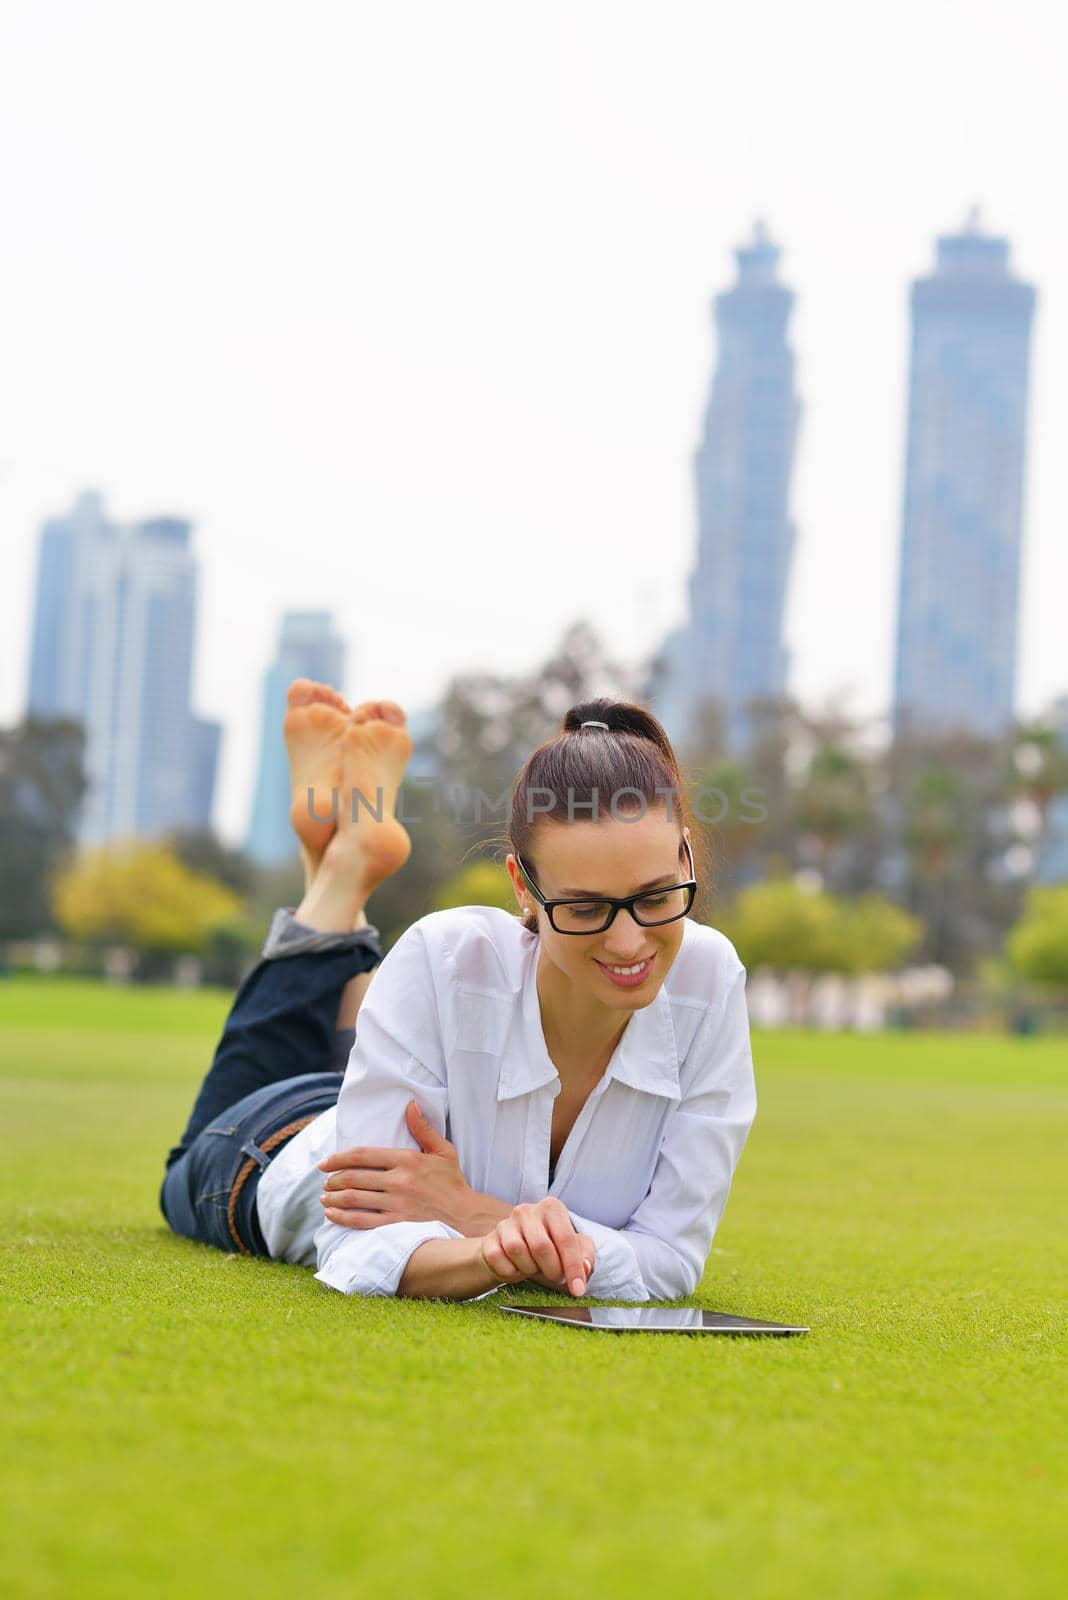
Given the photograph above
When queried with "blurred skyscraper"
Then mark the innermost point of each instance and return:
(308, 647)
(731, 648)
(112, 646)
(964, 474)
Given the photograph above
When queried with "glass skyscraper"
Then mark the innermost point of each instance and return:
(308, 647)
(964, 476)
(112, 647)
(730, 650)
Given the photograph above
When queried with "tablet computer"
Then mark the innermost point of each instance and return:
(651, 1319)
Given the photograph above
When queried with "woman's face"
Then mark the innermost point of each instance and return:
(609, 858)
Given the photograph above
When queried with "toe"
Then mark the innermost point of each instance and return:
(301, 692)
(379, 711)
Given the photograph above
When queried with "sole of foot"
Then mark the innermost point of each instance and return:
(314, 728)
(376, 746)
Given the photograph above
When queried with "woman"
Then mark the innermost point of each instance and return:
(560, 1098)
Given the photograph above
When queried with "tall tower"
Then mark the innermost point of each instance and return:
(61, 648)
(964, 474)
(730, 650)
(112, 647)
(308, 647)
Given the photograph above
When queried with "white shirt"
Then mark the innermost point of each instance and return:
(452, 1020)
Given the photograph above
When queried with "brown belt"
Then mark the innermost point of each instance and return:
(251, 1166)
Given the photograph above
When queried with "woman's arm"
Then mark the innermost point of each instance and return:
(448, 1269)
(534, 1243)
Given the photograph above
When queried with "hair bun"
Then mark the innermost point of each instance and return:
(619, 717)
(598, 712)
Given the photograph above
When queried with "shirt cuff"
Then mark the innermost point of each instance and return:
(615, 1273)
(288, 937)
(372, 1261)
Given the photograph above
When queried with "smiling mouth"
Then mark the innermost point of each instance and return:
(634, 970)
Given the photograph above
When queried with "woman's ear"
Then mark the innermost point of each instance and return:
(517, 880)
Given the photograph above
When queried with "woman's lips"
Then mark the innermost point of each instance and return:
(630, 980)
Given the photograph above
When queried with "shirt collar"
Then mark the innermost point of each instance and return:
(646, 1057)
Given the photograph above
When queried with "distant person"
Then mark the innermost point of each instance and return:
(559, 1096)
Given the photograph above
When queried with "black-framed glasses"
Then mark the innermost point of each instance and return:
(651, 909)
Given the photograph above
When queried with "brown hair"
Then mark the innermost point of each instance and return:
(628, 765)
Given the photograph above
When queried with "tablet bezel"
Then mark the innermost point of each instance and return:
(711, 1321)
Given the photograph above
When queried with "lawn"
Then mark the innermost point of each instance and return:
(178, 1420)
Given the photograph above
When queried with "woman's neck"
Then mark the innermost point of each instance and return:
(580, 1033)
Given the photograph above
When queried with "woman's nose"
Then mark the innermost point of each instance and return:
(625, 936)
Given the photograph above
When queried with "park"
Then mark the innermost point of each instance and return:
(179, 1418)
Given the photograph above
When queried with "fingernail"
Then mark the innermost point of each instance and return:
(577, 1286)
(588, 1265)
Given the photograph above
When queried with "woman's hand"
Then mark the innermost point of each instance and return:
(539, 1241)
(368, 1187)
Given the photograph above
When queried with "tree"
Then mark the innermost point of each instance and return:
(949, 812)
(782, 925)
(202, 851)
(42, 782)
(141, 895)
(489, 724)
(1037, 947)
(480, 883)
(1039, 766)
(876, 935)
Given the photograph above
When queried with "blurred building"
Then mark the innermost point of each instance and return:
(112, 646)
(964, 475)
(308, 647)
(730, 648)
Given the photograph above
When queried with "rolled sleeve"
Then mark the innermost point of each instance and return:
(662, 1251)
(372, 1262)
(616, 1274)
(396, 1057)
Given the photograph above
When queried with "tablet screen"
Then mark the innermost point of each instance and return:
(652, 1319)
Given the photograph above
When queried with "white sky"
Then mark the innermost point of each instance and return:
(407, 305)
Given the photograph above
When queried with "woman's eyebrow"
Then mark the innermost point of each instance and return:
(592, 894)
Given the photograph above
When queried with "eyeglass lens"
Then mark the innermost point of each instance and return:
(590, 916)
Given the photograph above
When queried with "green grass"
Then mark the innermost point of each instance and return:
(178, 1419)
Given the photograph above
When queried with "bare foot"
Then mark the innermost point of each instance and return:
(376, 746)
(314, 728)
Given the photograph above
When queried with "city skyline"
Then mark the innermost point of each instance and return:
(460, 408)
(955, 660)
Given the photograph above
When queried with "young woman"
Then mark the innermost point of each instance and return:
(559, 1097)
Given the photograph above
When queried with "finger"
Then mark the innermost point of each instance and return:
(378, 1157)
(571, 1248)
(578, 1256)
(352, 1200)
(510, 1237)
(498, 1260)
(427, 1133)
(542, 1248)
(355, 1219)
(357, 1178)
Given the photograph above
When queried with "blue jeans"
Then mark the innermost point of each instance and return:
(280, 1062)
